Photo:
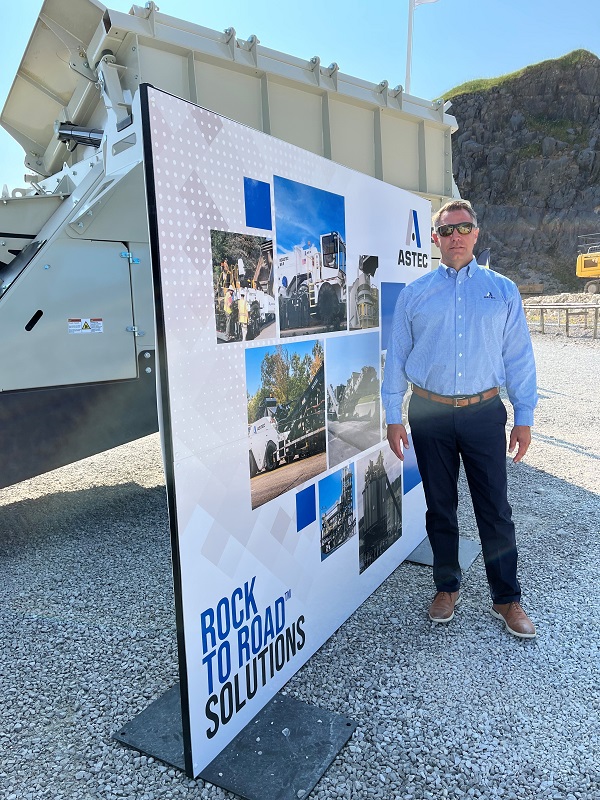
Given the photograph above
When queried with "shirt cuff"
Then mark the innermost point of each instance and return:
(393, 415)
(396, 419)
(523, 416)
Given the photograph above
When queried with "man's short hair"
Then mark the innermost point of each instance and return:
(454, 205)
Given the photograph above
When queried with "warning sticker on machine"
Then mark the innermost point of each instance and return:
(86, 326)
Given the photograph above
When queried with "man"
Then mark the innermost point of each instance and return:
(226, 274)
(242, 308)
(228, 314)
(458, 334)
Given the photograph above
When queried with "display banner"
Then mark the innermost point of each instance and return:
(276, 273)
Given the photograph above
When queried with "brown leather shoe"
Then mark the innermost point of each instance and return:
(442, 607)
(516, 620)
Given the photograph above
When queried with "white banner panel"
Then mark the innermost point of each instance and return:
(276, 274)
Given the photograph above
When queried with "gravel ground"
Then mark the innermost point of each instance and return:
(564, 297)
(463, 710)
(581, 325)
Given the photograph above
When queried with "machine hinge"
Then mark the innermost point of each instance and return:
(129, 256)
(135, 329)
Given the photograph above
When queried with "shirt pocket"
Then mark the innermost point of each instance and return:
(491, 318)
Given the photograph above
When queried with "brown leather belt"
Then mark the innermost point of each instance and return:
(460, 400)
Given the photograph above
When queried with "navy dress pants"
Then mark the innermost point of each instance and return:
(442, 435)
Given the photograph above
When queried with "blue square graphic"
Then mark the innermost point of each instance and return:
(411, 476)
(257, 201)
(306, 507)
(388, 298)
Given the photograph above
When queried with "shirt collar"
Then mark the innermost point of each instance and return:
(471, 268)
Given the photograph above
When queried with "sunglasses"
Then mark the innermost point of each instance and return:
(462, 227)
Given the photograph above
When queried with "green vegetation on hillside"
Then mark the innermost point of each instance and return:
(483, 84)
(533, 150)
(564, 130)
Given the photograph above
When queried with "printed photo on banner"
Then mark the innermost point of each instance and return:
(405, 403)
(379, 503)
(243, 286)
(336, 510)
(285, 390)
(388, 299)
(363, 297)
(353, 395)
(311, 258)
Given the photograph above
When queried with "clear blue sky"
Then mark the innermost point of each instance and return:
(454, 40)
(348, 354)
(330, 490)
(303, 214)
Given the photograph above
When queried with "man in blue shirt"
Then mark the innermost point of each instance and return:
(458, 334)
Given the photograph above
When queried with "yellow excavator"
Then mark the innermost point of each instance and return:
(588, 262)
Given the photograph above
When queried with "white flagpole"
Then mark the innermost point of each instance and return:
(411, 10)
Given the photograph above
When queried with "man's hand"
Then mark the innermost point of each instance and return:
(520, 435)
(396, 435)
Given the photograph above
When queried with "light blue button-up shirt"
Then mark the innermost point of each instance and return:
(459, 333)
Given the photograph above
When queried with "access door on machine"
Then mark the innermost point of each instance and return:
(68, 317)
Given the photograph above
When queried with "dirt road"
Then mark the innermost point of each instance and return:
(268, 485)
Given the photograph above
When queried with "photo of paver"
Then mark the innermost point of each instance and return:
(353, 395)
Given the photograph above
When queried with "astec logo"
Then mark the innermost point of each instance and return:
(413, 235)
(408, 257)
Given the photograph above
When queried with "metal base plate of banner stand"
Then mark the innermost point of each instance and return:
(282, 754)
(468, 550)
(157, 730)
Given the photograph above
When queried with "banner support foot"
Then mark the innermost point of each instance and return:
(282, 753)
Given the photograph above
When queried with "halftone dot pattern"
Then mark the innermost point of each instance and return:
(200, 161)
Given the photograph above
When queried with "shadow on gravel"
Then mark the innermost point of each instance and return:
(88, 639)
(466, 707)
(573, 448)
(99, 555)
(69, 514)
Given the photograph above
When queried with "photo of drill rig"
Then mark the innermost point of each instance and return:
(243, 271)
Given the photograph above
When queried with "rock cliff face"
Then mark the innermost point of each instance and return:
(527, 155)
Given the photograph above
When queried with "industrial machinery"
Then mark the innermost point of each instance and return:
(257, 289)
(381, 523)
(313, 284)
(588, 262)
(282, 432)
(364, 295)
(337, 522)
(76, 298)
(358, 398)
(264, 439)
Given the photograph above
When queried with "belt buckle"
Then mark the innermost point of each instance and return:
(456, 399)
